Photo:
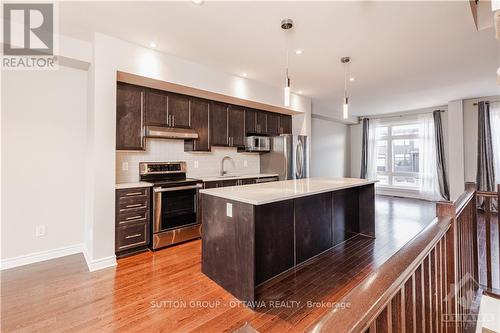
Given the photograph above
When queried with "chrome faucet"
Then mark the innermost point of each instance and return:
(222, 172)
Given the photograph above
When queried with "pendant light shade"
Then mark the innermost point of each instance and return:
(287, 91)
(345, 108)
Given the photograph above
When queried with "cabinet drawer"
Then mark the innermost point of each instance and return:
(133, 203)
(132, 216)
(131, 236)
(247, 181)
(132, 192)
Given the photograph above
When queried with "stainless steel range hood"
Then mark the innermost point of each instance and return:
(170, 133)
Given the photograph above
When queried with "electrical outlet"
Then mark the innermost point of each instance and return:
(196, 164)
(245, 163)
(124, 166)
(40, 230)
(229, 209)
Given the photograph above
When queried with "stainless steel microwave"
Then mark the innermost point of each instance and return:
(258, 143)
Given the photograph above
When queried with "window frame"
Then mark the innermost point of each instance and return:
(390, 173)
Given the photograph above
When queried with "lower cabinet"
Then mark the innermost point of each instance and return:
(238, 182)
(132, 224)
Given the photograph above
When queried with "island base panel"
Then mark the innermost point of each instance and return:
(228, 246)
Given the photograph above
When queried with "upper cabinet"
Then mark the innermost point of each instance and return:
(166, 109)
(273, 124)
(218, 124)
(156, 108)
(285, 124)
(129, 117)
(261, 122)
(200, 110)
(178, 111)
(236, 126)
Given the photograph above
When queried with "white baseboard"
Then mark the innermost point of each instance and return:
(101, 263)
(41, 256)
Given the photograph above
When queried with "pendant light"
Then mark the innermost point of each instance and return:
(345, 105)
(286, 25)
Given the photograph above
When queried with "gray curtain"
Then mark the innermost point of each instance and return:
(364, 149)
(440, 156)
(485, 177)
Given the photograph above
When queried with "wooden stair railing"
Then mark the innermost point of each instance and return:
(424, 286)
(489, 236)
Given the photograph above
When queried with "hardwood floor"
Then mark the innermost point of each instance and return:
(166, 291)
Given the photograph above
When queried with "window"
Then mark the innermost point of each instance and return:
(398, 147)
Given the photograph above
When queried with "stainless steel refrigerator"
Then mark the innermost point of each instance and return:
(288, 157)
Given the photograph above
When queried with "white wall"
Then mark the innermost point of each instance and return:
(356, 137)
(454, 148)
(110, 55)
(329, 149)
(43, 160)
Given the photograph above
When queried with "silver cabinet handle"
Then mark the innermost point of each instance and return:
(133, 236)
(133, 193)
(173, 120)
(177, 188)
(134, 205)
(133, 218)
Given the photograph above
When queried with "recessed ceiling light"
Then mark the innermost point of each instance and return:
(298, 52)
(351, 79)
(300, 92)
(152, 44)
(244, 74)
(198, 2)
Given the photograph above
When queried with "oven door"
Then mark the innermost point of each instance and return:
(175, 207)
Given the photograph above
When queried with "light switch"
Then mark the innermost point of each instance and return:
(124, 166)
(196, 164)
(229, 209)
(245, 163)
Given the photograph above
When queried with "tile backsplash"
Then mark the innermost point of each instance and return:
(165, 150)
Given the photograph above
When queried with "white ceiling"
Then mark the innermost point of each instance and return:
(405, 55)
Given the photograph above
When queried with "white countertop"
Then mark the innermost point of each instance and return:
(132, 185)
(229, 177)
(259, 194)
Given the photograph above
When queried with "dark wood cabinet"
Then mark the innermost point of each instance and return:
(218, 124)
(200, 110)
(313, 225)
(273, 124)
(132, 220)
(250, 121)
(178, 111)
(156, 112)
(129, 117)
(261, 122)
(236, 126)
(285, 124)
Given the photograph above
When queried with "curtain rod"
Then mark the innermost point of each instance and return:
(487, 102)
(399, 115)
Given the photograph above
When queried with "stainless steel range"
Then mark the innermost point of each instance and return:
(175, 202)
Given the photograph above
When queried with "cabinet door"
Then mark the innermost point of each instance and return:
(218, 124)
(285, 124)
(156, 108)
(199, 122)
(178, 110)
(236, 126)
(250, 121)
(261, 122)
(273, 124)
(129, 113)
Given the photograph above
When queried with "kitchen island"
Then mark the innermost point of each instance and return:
(254, 233)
